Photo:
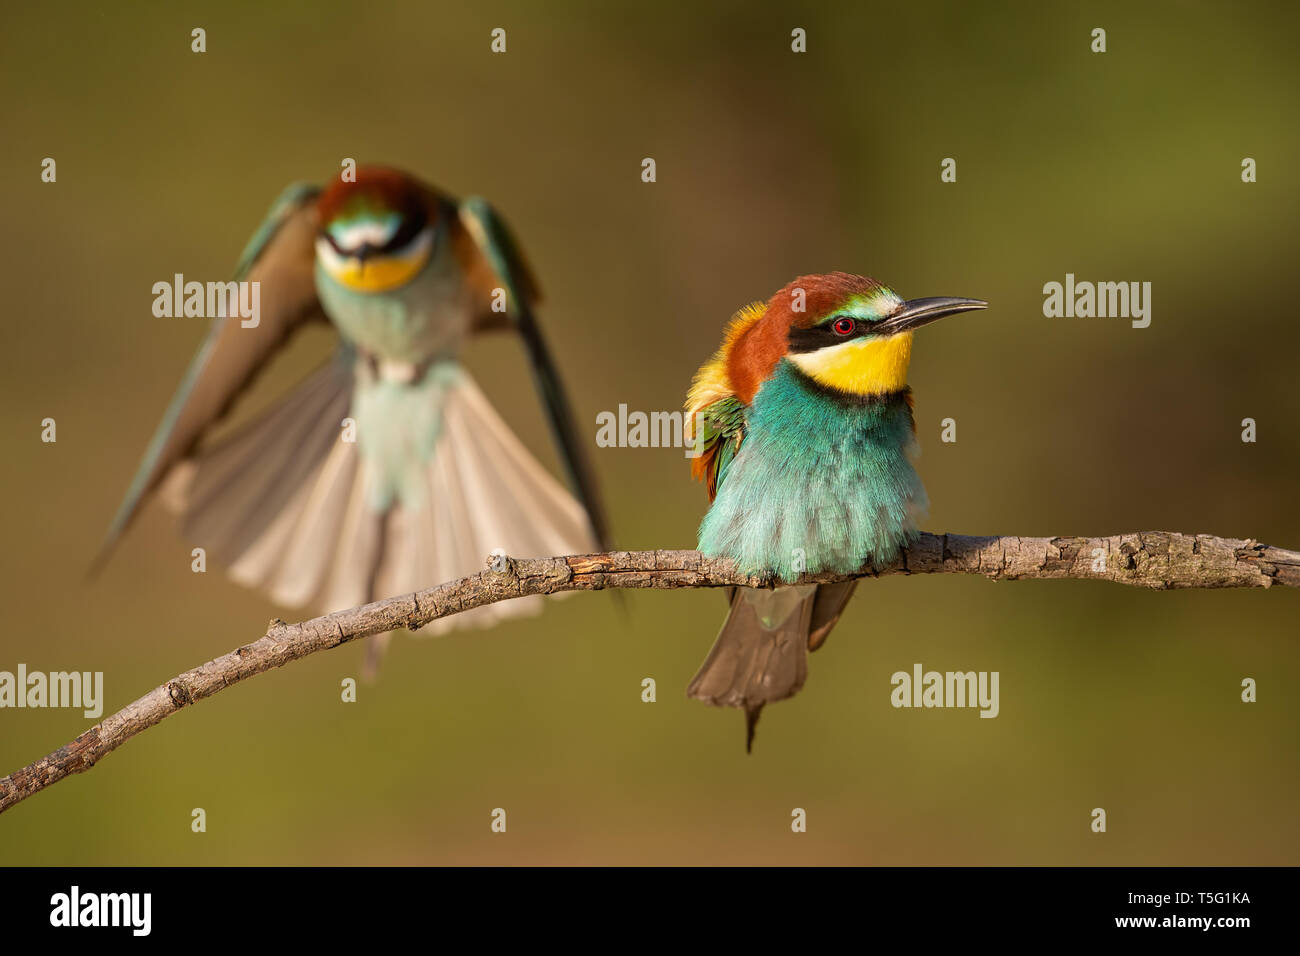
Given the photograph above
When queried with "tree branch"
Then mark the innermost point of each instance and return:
(1155, 559)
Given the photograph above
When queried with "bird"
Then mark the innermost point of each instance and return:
(803, 431)
(387, 469)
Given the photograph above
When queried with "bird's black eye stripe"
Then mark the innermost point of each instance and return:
(408, 230)
(333, 243)
(825, 335)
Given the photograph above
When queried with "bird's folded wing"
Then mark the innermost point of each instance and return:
(715, 414)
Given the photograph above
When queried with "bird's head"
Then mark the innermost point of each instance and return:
(377, 232)
(846, 332)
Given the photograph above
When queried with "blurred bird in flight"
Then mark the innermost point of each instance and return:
(804, 422)
(432, 480)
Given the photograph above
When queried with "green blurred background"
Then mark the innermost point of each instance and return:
(1122, 166)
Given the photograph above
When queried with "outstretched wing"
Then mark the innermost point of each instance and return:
(498, 247)
(280, 258)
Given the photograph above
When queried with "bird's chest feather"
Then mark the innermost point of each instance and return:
(821, 483)
(425, 319)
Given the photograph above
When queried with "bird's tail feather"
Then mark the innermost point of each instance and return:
(761, 654)
(287, 503)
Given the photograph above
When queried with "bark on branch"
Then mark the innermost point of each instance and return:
(1156, 559)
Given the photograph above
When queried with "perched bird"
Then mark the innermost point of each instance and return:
(386, 470)
(803, 421)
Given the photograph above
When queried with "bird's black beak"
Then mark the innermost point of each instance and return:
(918, 312)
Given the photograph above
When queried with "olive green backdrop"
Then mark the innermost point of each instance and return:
(1115, 166)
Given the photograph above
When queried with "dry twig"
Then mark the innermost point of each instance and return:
(1155, 559)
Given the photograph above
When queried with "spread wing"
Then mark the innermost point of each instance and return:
(506, 266)
(280, 258)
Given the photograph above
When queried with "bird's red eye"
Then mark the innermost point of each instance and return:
(844, 325)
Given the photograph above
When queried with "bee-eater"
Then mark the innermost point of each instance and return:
(386, 470)
(803, 420)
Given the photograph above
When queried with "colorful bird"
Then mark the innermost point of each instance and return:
(386, 470)
(803, 421)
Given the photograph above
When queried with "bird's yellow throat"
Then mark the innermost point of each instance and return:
(378, 273)
(861, 366)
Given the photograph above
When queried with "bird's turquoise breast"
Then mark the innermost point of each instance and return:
(425, 319)
(414, 333)
(822, 483)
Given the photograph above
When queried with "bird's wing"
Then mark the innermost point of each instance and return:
(717, 431)
(715, 414)
(506, 267)
(280, 258)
